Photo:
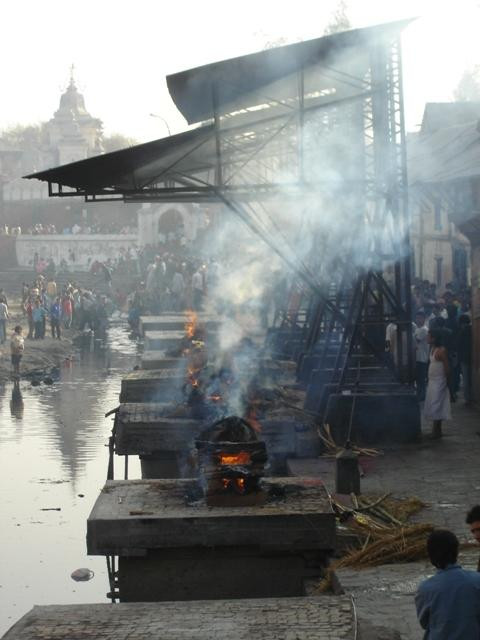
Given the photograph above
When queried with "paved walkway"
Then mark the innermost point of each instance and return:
(262, 619)
(445, 474)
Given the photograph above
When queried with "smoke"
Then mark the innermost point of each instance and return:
(336, 210)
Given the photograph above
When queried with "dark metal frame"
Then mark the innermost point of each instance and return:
(245, 145)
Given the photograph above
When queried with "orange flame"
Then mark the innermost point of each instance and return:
(237, 483)
(191, 324)
(240, 482)
(192, 376)
(235, 459)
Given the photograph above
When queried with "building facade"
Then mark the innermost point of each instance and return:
(441, 252)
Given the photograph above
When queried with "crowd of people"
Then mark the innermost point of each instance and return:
(69, 306)
(40, 229)
(442, 339)
(170, 283)
(47, 306)
(126, 261)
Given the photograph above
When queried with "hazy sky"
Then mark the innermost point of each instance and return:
(122, 50)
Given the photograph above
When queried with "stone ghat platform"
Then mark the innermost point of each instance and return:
(162, 340)
(163, 435)
(159, 360)
(151, 385)
(133, 516)
(176, 322)
(143, 429)
(172, 546)
(323, 618)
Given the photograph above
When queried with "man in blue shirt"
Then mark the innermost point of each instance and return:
(38, 317)
(448, 604)
(55, 317)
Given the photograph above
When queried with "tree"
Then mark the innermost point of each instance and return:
(468, 89)
(117, 141)
(277, 42)
(25, 137)
(340, 20)
(35, 137)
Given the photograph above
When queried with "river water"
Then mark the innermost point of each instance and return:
(53, 456)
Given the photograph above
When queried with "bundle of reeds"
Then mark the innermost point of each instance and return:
(406, 544)
(332, 448)
(383, 545)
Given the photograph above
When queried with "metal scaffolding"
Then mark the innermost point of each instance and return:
(318, 125)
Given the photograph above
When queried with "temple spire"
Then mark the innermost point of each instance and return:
(72, 74)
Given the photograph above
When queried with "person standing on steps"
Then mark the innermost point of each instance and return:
(437, 398)
(422, 354)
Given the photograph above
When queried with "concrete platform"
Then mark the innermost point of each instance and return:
(131, 517)
(158, 360)
(378, 417)
(322, 618)
(176, 322)
(162, 340)
(143, 429)
(156, 385)
(172, 546)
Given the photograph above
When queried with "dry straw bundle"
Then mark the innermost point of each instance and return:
(384, 536)
(395, 545)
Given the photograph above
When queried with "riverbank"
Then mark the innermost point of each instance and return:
(39, 355)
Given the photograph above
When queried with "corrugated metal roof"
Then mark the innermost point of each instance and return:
(134, 167)
(234, 79)
(193, 153)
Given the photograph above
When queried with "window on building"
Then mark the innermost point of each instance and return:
(437, 215)
(460, 265)
(438, 271)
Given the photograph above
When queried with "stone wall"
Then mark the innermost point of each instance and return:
(7, 252)
(149, 218)
(85, 248)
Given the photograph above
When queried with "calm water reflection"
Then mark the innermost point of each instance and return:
(52, 448)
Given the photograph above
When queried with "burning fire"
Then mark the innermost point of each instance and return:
(191, 324)
(240, 458)
(237, 484)
(192, 376)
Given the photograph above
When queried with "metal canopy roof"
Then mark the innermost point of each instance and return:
(258, 99)
(195, 91)
(133, 168)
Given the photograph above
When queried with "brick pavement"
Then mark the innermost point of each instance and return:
(325, 618)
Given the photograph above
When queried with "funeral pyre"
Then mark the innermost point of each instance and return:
(231, 462)
(239, 381)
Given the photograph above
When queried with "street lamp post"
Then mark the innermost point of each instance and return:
(155, 115)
